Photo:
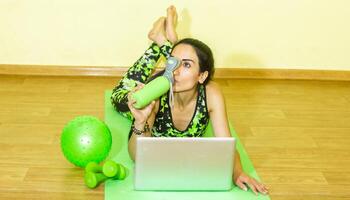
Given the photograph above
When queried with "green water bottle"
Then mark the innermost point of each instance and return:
(157, 87)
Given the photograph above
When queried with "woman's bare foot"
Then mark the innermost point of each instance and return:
(170, 25)
(157, 34)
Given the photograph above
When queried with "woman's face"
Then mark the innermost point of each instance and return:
(187, 75)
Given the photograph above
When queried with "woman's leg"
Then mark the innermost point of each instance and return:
(170, 31)
(170, 24)
(139, 72)
(143, 67)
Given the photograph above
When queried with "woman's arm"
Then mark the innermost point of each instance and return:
(141, 116)
(132, 140)
(218, 117)
(217, 110)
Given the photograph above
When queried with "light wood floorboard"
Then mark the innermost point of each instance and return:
(296, 132)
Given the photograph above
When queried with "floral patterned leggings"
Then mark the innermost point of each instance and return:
(141, 71)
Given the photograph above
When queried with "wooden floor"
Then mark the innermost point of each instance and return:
(297, 134)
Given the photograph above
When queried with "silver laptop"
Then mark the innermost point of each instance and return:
(184, 163)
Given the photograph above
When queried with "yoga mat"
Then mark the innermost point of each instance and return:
(116, 189)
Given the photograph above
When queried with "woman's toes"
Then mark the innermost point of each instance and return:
(171, 21)
(157, 33)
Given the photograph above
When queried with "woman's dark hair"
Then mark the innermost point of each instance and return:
(204, 54)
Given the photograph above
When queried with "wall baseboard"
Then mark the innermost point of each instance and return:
(235, 73)
(302, 74)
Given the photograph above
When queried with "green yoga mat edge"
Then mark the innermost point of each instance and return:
(120, 127)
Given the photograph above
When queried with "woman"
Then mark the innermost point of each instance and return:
(196, 97)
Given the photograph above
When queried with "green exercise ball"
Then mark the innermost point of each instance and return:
(86, 139)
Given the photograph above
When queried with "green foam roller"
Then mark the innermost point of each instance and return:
(151, 91)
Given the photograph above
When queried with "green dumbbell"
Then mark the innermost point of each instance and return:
(109, 169)
(122, 173)
(96, 174)
(93, 167)
(92, 179)
(115, 170)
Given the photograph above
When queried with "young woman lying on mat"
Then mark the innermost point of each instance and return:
(196, 97)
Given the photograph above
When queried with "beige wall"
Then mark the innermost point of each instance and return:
(288, 34)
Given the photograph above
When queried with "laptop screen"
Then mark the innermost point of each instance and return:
(184, 163)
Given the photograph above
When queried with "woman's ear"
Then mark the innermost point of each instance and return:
(203, 76)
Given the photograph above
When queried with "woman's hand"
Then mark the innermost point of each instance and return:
(140, 115)
(243, 180)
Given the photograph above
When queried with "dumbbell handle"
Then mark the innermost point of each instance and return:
(93, 167)
(109, 169)
(92, 179)
(95, 174)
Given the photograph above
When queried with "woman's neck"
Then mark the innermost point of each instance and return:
(181, 99)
